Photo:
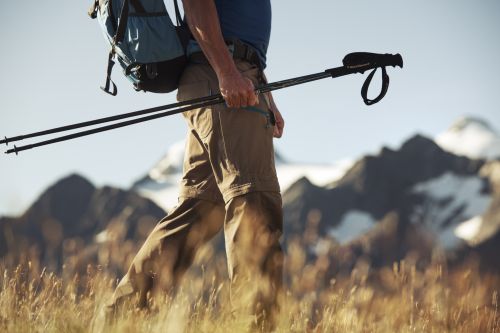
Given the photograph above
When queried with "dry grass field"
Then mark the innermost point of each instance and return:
(401, 298)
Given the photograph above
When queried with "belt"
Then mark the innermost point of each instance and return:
(238, 49)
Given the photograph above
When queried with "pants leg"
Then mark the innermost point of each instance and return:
(229, 161)
(252, 230)
(170, 248)
(239, 144)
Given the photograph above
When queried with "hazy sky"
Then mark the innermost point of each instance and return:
(53, 59)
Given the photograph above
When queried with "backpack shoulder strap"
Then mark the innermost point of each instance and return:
(122, 23)
(178, 16)
(124, 14)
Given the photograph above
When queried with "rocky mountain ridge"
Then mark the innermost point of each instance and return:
(384, 207)
(70, 221)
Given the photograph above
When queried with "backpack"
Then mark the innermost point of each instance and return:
(144, 41)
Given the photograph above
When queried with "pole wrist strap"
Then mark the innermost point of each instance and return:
(383, 90)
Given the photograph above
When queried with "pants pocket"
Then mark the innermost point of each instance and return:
(201, 119)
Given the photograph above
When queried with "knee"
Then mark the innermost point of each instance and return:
(253, 228)
(257, 208)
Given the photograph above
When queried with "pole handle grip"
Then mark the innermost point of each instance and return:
(364, 59)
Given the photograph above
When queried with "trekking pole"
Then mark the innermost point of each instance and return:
(353, 63)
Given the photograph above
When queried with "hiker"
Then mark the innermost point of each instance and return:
(229, 179)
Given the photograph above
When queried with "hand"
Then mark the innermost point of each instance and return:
(237, 90)
(280, 122)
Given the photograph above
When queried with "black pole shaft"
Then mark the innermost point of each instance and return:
(262, 89)
(110, 127)
(192, 104)
(104, 120)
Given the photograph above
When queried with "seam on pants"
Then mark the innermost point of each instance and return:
(193, 192)
(248, 188)
(230, 165)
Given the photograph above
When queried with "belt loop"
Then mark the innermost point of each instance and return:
(230, 42)
(232, 50)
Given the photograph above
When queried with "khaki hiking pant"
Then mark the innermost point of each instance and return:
(229, 182)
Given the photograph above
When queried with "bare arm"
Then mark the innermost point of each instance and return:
(203, 21)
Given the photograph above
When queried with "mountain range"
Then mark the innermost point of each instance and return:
(429, 196)
(74, 223)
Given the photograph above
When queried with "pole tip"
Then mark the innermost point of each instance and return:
(5, 140)
(13, 150)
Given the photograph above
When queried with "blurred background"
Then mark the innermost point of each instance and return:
(392, 212)
(417, 173)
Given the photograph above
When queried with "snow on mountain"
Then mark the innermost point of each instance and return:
(431, 195)
(318, 174)
(428, 187)
(470, 230)
(354, 224)
(161, 184)
(451, 198)
(170, 164)
(471, 137)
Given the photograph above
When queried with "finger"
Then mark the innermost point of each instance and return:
(280, 125)
(255, 98)
(244, 99)
(233, 100)
(252, 98)
(236, 101)
(277, 133)
(226, 97)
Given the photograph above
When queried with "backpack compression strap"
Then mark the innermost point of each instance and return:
(110, 82)
(119, 34)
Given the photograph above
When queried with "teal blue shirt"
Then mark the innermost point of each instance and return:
(247, 20)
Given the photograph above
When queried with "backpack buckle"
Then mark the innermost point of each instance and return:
(93, 9)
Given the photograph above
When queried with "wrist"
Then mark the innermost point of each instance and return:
(227, 68)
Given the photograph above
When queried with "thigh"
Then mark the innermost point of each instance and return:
(198, 180)
(241, 147)
(234, 146)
